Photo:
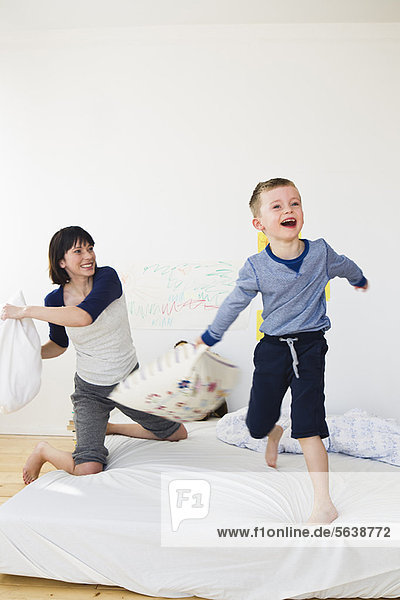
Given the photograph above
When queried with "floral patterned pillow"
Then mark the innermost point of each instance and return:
(185, 384)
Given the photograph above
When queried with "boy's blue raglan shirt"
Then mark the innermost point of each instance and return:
(293, 291)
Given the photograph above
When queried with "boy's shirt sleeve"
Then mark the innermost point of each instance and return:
(338, 265)
(57, 333)
(245, 290)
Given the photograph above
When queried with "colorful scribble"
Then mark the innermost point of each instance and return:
(178, 296)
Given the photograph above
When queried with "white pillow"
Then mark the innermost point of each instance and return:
(183, 385)
(20, 361)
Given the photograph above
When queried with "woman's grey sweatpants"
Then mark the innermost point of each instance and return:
(92, 408)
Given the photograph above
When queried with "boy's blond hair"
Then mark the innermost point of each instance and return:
(266, 186)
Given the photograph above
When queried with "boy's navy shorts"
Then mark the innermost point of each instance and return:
(274, 373)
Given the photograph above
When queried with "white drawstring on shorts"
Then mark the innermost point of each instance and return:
(290, 343)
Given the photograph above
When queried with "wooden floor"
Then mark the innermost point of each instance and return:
(14, 449)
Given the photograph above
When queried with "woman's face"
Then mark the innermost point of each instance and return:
(79, 261)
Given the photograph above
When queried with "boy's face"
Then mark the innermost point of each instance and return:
(281, 214)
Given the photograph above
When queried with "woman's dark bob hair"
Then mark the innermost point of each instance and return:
(60, 243)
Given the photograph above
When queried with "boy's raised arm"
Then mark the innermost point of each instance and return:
(245, 290)
(339, 265)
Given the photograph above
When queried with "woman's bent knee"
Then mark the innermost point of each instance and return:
(88, 468)
(180, 434)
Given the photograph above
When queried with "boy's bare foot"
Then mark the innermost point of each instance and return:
(271, 453)
(323, 514)
(32, 467)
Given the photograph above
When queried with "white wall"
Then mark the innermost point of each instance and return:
(153, 139)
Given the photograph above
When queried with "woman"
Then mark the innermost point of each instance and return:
(89, 308)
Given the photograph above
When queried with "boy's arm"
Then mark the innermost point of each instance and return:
(246, 289)
(338, 265)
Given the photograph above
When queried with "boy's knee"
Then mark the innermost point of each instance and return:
(258, 435)
(257, 432)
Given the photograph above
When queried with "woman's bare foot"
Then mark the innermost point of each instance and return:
(323, 514)
(271, 453)
(36, 460)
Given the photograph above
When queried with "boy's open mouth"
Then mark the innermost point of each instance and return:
(289, 223)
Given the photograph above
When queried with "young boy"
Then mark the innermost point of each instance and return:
(291, 274)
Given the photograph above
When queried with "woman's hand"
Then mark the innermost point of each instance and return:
(12, 312)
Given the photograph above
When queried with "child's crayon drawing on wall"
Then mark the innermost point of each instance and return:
(178, 295)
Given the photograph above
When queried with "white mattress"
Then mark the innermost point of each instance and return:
(105, 528)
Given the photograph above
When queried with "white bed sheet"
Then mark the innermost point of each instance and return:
(105, 528)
